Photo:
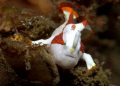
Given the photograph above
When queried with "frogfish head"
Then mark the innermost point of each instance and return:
(72, 34)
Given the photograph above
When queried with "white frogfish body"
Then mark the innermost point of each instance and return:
(65, 42)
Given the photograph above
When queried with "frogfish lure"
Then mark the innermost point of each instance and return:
(65, 42)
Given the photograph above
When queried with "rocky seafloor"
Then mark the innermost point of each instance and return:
(23, 64)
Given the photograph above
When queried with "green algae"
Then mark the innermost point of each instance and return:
(39, 27)
(79, 76)
(95, 77)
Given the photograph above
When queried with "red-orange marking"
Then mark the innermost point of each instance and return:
(84, 22)
(82, 47)
(58, 39)
(73, 27)
(71, 20)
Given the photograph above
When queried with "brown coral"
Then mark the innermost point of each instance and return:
(46, 7)
(33, 64)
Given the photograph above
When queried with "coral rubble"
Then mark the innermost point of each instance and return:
(24, 64)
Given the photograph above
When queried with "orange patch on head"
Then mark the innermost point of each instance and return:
(84, 22)
(73, 27)
(58, 39)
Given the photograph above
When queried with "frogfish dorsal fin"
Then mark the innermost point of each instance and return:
(69, 14)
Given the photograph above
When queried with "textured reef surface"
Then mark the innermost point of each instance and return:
(24, 64)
